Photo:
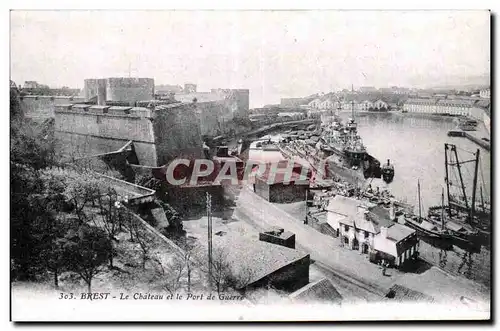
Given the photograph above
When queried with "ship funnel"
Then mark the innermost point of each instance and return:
(388, 161)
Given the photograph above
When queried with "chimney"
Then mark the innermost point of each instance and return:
(383, 232)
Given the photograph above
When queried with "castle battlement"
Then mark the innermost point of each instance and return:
(104, 110)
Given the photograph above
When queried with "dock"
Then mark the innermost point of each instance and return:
(459, 133)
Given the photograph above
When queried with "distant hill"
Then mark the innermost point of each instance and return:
(465, 83)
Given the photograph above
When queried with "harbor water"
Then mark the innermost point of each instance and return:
(415, 145)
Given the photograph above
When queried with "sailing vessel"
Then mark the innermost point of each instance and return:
(460, 208)
(423, 226)
(462, 211)
(463, 234)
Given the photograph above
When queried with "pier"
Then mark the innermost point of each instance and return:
(459, 133)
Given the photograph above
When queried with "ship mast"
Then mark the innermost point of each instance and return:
(454, 149)
(352, 103)
(442, 208)
(482, 199)
(446, 179)
(419, 204)
(473, 202)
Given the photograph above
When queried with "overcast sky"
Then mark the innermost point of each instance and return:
(274, 54)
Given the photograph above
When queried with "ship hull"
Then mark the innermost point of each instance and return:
(369, 166)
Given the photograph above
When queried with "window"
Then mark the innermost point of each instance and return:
(346, 228)
(366, 234)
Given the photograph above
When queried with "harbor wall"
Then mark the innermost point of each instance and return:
(487, 122)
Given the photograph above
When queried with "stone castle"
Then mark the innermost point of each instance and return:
(115, 111)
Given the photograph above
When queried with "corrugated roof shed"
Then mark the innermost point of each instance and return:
(254, 259)
(404, 294)
(321, 291)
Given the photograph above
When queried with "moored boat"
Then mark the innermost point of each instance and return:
(387, 172)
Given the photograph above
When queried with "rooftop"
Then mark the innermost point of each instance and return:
(398, 232)
(278, 232)
(254, 259)
(421, 101)
(455, 102)
(347, 206)
(321, 291)
(367, 221)
(402, 294)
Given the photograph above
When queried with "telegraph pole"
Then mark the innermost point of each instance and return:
(209, 220)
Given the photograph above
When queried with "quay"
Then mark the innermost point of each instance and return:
(459, 133)
(279, 125)
(350, 266)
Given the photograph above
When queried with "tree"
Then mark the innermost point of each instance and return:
(138, 234)
(176, 268)
(111, 216)
(86, 249)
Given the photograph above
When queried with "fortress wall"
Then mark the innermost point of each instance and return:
(84, 130)
(236, 100)
(177, 132)
(129, 89)
(73, 145)
(213, 116)
(43, 105)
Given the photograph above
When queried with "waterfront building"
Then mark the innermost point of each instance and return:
(358, 232)
(363, 225)
(380, 104)
(314, 113)
(366, 105)
(396, 244)
(340, 207)
(440, 106)
(315, 103)
(485, 93)
(325, 102)
(455, 107)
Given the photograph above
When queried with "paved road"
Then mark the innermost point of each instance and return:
(329, 258)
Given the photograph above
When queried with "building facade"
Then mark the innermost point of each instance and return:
(396, 244)
(485, 93)
(440, 106)
(380, 104)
